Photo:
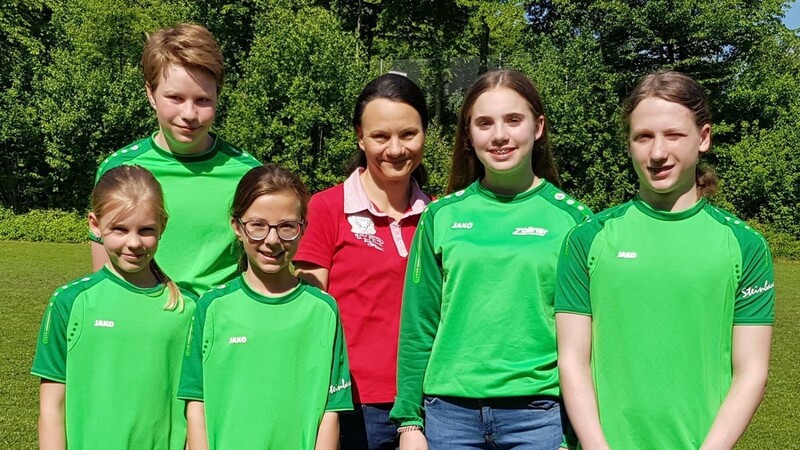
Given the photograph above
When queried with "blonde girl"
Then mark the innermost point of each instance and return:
(110, 347)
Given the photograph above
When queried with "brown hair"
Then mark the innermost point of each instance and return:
(682, 89)
(466, 166)
(133, 188)
(267, 179)
(188, 45)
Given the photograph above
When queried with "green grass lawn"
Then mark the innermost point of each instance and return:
(30, 272)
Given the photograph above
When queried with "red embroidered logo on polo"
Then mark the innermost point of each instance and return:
(363, 228)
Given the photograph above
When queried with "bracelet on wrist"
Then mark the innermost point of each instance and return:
(407, 428)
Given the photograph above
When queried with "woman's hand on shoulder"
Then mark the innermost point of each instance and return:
(413, 440)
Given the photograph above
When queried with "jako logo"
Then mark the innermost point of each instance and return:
(462, 225)
(530, 231)
(627, 255)
(757, 290)
(104, 323)
(237, 340)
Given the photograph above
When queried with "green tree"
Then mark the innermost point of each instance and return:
(756, 158)
(599, 48)
(294, 103)
(232, 23)
(429, 31)
(582, 110)
(90, 99)
(762, 175)
(23, 51)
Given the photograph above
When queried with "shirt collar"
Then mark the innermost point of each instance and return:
(356, 200)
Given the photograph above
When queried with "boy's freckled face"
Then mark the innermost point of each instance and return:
(185, 101)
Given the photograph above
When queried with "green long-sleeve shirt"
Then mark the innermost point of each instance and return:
(477, 317)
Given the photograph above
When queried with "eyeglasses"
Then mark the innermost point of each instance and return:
(258, 230)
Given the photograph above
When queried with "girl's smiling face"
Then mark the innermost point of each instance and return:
(130, 239)
(392, 138)
(665, 145)
(271, 255)
(502, 130)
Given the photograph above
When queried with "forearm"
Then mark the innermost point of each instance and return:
(407, 409)
(52, 431)
(751, 349)
(52, 425)
(417, 334)
(735, 413)
(328, 433)
(196, 426)
(580, 400)
(312, 274)
(575, 373)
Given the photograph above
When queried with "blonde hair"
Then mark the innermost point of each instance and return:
(131, 188)
(188, 45)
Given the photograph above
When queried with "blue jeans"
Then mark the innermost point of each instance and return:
(367, 428)
(521, 423)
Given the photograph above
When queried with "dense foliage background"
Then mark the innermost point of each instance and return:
(71, 89)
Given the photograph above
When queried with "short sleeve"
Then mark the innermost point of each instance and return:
(50, 361)
(340, 395)
(572, 274)
(755, 297)
(319, 240)
(191, 383)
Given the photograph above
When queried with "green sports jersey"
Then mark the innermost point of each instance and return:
(477, 318)
(266, 368)
(198, 248)
(664, 291)
(119, 354)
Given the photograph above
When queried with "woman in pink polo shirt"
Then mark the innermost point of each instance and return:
(356, 247)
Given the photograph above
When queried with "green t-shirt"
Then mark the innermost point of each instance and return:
(119, 354)
(267, 368)
(198, 249)
(477, 318)
(664, 291)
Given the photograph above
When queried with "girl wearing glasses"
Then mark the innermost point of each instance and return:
(357, 244)
(266, 365)
(477, 352)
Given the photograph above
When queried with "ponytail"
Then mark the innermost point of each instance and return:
(175, 299)
(706, 180)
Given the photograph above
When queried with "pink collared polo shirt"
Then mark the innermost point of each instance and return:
(365, 252)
